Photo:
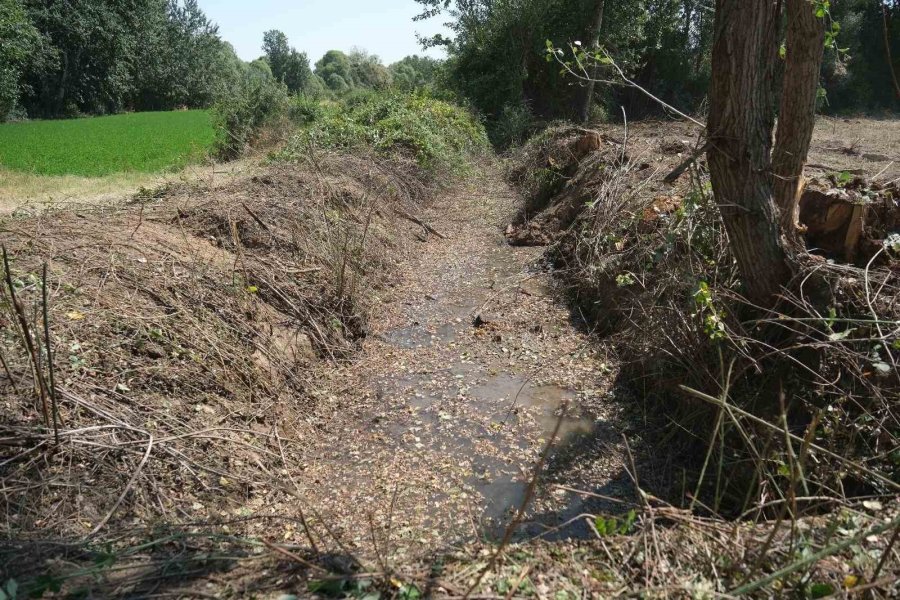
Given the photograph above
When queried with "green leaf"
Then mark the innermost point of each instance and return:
(820, 590)
(45, 583)
(327, 587)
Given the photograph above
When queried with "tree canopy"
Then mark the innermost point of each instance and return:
(289, 66)
(497, 54)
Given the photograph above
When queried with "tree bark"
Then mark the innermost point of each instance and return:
(740, 124)
(588, 99)
(887, 50)
(805, 45)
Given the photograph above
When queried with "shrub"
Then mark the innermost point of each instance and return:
(239, 117)
(513, 126)
(304, 110)
(437, 134)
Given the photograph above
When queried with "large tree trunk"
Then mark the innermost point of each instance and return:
(588, 98)
(805, 46)
(741, 120)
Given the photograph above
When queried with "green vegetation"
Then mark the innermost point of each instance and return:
(497, 57)
(144, 142)
(439, 135)
(254, 104)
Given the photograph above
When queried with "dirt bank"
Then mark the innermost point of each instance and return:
(307, 356)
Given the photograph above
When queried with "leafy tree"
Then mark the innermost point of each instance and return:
(260, 69)
(860, 78)
(87, 68)
(415, 72)
(335, 70)
(196, 50)
(337, 83)
(497, 53)
(19, 43)
(368, 71)
(315, 87)
(288, 66)
(98, 56)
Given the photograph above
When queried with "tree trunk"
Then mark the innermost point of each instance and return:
(805, 46)
(887, 50)
(741, 120)
(588, 99)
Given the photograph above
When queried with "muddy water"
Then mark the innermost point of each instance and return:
(492, 403)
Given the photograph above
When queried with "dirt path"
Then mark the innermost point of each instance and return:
(433, 433)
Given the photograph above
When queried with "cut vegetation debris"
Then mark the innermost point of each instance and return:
(316, 382)
(94, 146)
(186, 330)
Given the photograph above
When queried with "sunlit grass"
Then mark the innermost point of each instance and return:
(95, 146)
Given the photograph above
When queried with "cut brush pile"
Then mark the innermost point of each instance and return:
(776, 415)
(186, 328)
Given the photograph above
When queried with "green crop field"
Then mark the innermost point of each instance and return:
(143, 142)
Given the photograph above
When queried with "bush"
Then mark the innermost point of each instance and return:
(304, 110)
(437, 134)
(239, 117)
(513, 126)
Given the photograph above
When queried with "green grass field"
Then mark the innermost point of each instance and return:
(139, 142)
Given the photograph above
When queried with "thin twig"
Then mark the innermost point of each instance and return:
(53, 403)
(130, 483)
(813, 558)
(29, 342)
(9, 374)
(729, 407)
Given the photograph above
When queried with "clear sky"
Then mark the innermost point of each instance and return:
(383, 27)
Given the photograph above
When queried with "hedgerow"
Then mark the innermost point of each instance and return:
(439, 135)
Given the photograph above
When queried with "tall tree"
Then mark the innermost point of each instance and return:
(740, 124)
(288, 66)
(19, 44)
(336, 70)
(277, 50)
(745, 180)
(596, 30)
(368, 70)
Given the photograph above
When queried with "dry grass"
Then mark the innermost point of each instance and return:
(187, 328)
(29, 193)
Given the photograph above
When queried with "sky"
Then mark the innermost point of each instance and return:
(383, 27)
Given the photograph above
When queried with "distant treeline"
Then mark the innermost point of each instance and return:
(61, 58)
(498, 59)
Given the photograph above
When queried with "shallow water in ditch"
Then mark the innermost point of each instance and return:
(490, 397)
(439, 426)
